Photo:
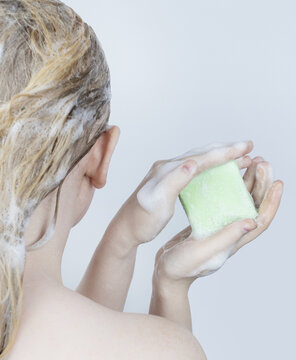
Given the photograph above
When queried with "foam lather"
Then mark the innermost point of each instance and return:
(215, 198)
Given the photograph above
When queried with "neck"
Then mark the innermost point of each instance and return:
(44, 264)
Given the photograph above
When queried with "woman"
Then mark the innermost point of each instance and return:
(56, 147)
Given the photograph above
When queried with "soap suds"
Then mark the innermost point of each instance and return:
(11, 221)
(153, 194)
(212, 265)
(199, 150)
(16, 253)
(261, 187)
(13, 211)
(15, 219)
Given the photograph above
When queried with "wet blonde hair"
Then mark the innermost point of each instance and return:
(54, 104)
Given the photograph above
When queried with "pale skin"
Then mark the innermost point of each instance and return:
(89, 323)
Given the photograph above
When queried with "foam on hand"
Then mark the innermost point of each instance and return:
(154, 192)
(215, 198)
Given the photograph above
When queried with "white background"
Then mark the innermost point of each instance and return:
(185, 74)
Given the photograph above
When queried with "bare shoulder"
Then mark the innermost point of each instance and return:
(141, 336)
(161, 338)
(77, 327)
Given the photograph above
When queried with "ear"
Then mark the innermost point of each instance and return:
(100, 156)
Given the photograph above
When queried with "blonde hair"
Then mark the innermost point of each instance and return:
(54, 104)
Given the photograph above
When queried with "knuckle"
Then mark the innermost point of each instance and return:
(156, 163)
(264, 165)
(264, 222)
(258, 158)
(158, 254)
(266, 169)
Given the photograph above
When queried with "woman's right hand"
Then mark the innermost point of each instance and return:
(184, 258)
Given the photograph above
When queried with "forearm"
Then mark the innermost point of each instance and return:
(109, 274)
(170, 300)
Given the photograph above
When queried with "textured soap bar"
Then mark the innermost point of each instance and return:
(215, 198)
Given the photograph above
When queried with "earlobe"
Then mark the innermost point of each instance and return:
(101, 157)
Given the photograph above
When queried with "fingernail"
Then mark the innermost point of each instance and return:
(281, 183)
(250, 225)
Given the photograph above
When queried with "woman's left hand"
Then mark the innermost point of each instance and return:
(184, 258)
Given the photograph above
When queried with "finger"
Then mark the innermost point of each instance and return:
(215, 154)
(177, 239)
(244, 162)
(250, 174)
(225, 238)
(179, 178)
(210, 147)
(182, 174)
(267, 212)
(264, 177)
(221, 155)
(181, 236)
(165, 180)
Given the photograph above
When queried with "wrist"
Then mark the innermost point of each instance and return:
(119, 238)
(165, 287)
(170, 300)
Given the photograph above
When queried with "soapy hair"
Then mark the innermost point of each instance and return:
(54, 104)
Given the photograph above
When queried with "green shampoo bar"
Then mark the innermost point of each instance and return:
(215, 198)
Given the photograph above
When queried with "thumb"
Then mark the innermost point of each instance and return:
(181, 176)
(228, 236)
